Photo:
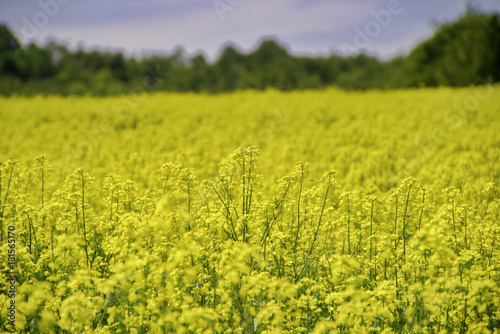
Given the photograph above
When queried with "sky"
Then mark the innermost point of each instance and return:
(384, 28)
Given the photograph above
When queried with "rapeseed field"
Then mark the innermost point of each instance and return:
(251, 212)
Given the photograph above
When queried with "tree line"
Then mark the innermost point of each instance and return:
(460, 53)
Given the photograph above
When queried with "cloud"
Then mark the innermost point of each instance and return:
(196, 24)
(306, 26)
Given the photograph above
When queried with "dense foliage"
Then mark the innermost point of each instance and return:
(460, 53)
(350, 212)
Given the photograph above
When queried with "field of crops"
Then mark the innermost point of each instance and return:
(251, 212)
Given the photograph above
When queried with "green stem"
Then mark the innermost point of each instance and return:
(244, 184)
(315, 233)
(348, 226)
(52, 239)
(453, 223)
(465, 227)
(421, 209)
(249, 196)
(404, 222)
(396, 226)
(165, 186)
(3, 204)
(298, 209)
(234, 236)
(111, 204)
(371, 231)
(29, 229)
(43, 192)
(83, 218)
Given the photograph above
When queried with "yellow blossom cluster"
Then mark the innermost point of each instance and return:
(252, 212)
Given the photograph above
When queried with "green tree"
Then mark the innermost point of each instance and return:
(459, 53)
(9, 45)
